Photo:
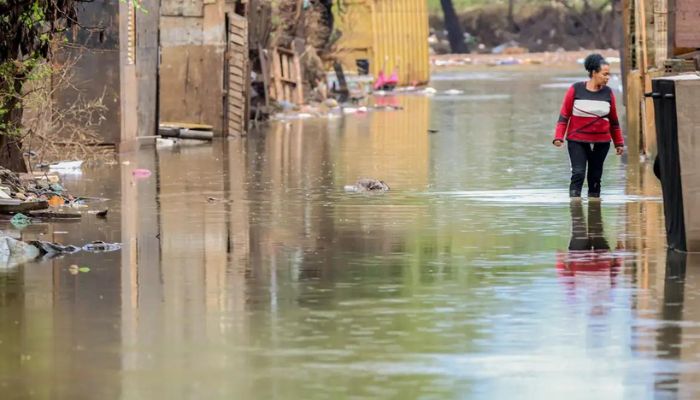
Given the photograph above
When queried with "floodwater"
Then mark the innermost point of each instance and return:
(247, 272)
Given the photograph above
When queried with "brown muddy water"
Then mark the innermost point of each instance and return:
(457, 284)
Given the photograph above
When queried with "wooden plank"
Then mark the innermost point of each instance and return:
(237, 39)
(277, 73)
(633, 114)
(191, 76)
(646, 106)
(238, 76)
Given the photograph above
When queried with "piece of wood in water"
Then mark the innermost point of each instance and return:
(53, 215)
(23, 207)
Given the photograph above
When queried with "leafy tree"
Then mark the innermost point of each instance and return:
(27, 30)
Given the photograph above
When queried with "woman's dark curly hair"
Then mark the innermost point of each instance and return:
(593, 63)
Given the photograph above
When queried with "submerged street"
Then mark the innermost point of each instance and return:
(248, 272)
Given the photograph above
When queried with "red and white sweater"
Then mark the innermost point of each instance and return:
(589, 117)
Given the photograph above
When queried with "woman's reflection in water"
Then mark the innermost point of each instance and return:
(589, 258)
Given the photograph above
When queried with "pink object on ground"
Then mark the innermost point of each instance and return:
(141, 173)
(380, 82)
(393, 79)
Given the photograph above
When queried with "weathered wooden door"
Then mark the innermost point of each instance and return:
(238, 79)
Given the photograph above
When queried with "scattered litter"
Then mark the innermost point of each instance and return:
(509, 61)
(141, 173)
(74, 269)
(101, 247)
(14, 252)
(216, 200)
(367, 185)
(56, 201)
(20, 221)
(54, 249)
(429, 90)
(161, 142)
(66, 166)
(453, 92)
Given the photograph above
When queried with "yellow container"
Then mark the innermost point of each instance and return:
(389, 34)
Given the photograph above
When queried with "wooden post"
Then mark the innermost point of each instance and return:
(671, 28)
(128, 95)
(648, 126)
(298, 46)
(147, 48)
(660, 31)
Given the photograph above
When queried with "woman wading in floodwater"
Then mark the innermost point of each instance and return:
(588, 120)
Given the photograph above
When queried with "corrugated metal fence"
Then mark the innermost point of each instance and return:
(390, 34)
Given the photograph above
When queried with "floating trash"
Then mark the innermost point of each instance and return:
(101, 247)
(20, 221)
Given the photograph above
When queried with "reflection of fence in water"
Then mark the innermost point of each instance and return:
(393, 146)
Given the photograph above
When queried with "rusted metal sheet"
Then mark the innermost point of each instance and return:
(687, 23)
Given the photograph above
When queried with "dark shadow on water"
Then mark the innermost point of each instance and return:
(669, 335)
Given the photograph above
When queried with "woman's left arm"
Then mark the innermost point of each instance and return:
(615, 129)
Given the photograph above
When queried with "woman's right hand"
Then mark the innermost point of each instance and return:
(558, 142)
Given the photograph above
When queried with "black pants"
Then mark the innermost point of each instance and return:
(582, 154)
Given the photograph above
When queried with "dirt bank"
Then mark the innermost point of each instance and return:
(537, 28)
(557, 59)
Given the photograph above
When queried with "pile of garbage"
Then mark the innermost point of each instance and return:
(29, 192)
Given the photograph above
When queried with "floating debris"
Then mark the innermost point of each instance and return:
(21, 221)
(141, 173)
(101, 247)
(67, 166)
(367, 185)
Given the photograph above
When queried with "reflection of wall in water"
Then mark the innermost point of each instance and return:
(644, 229)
